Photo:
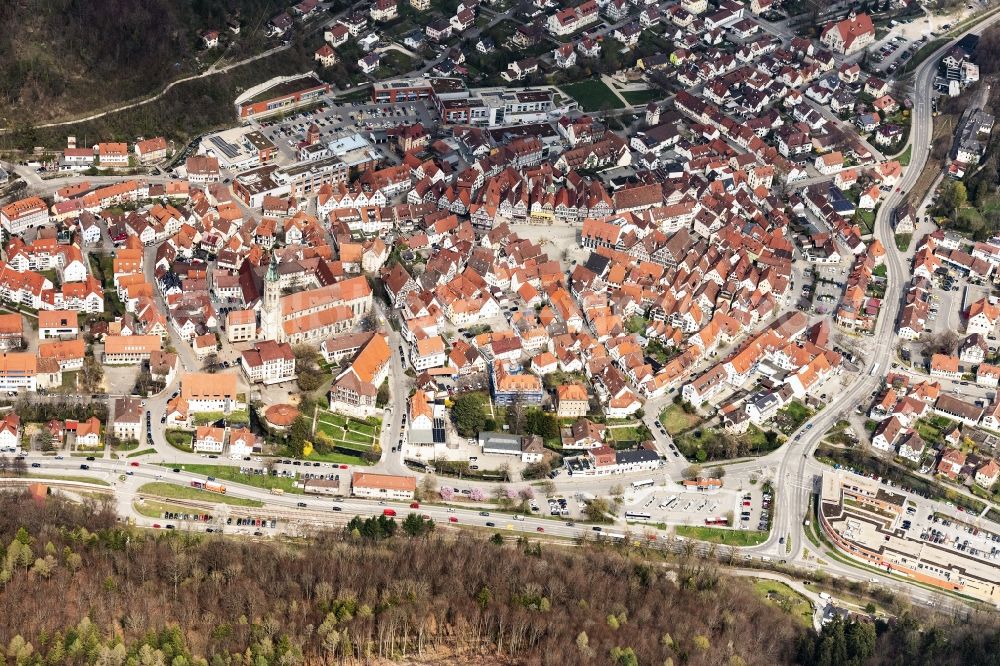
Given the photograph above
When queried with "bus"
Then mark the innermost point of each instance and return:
(648, 483)
(634, 515)
(873, 370)
(669, 502)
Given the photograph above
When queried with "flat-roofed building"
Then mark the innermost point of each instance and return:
(280, 96)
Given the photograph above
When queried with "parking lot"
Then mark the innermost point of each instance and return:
(750, 510)
(337, 119)
(825, 285)
(951, 533)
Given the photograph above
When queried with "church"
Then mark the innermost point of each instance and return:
(314, 314)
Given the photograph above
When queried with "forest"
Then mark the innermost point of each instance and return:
(65, 57)
(79, 587)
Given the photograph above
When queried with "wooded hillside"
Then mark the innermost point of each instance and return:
(65, 57)
(78, 588)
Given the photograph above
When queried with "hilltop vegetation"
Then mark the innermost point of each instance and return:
(79, 588)
(66, 57)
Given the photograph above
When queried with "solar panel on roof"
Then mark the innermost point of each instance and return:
(228, 149)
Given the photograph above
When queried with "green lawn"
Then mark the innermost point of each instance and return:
(179, 439)
(143, 452)
(866, 220)
(903, 242)
(154, 509)
(81, 479)
(204, 418)
(174, 491)
(340, 458)
(637, 97)
(226, 473)
(676, 420)
(791, 417)
(722, 536)
(904, 157)
(593, 95)
(783, 596)
(347, 433)
(624, 433)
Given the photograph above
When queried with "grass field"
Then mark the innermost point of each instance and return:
(142, 452)
(636, 97)
(154, 509)
(903, 242)
(225, 473)
(783, 596)
(173, 491)
(593, 95)
(676, 420)
(722, 536)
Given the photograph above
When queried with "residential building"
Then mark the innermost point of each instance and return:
(383, 486)
(209, 439)
(88, 433)
(854, 33)
(130, 349)
(205, 392)
(572, 401)
(502, 443)
(508, 387)
(151, 150)
(241, 326)
(10, 433)
(269, 362)
(24, 214)
(127, 418)
(58, 324)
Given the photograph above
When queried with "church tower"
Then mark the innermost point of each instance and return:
(270, 312)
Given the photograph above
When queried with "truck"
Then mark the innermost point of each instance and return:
(277, 491)
(210, 486)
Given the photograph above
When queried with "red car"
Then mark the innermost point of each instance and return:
(415, 505)
(156, 526)
(452, 519)
(134, 464)
(539, 529)
(343, 467)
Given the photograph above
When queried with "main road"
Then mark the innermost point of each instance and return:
(793, 484)
(297, 512)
